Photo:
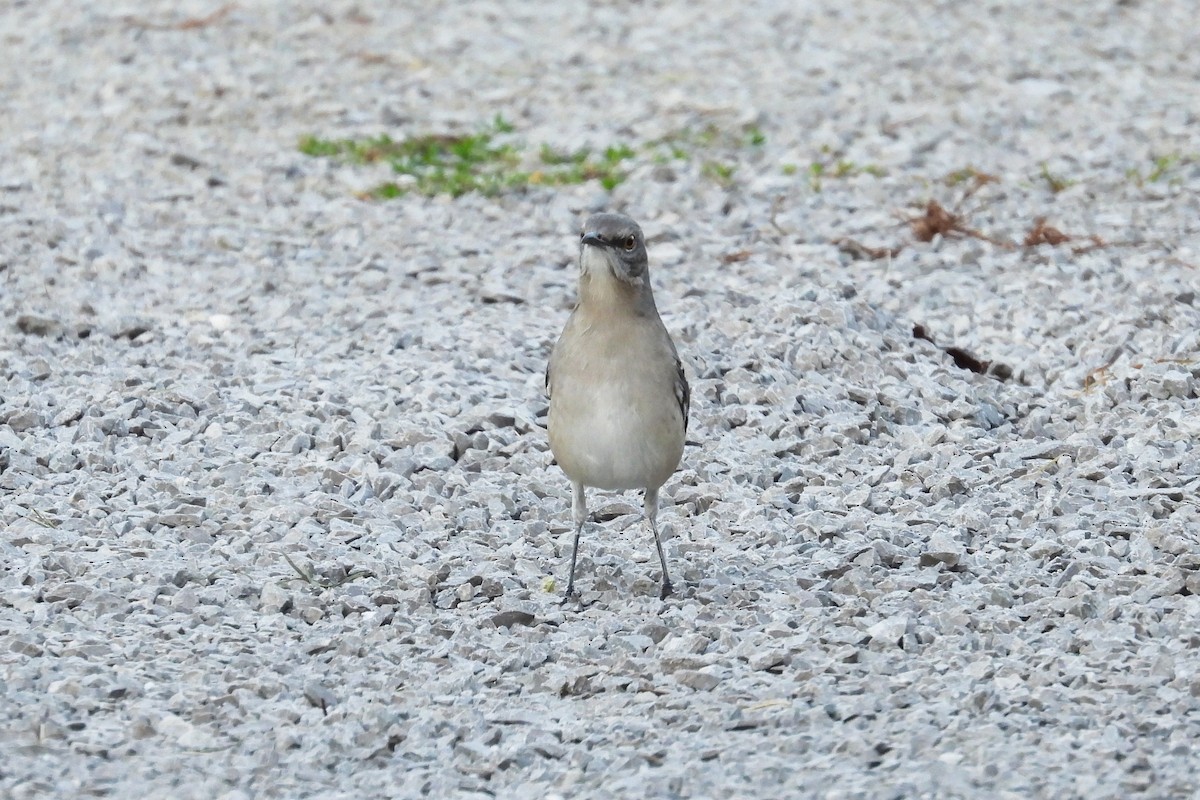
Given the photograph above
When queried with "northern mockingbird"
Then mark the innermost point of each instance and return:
(618, 396)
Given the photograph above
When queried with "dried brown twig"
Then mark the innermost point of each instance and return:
(1041, 233)
(860, 251)
(937, 221)
(189, 24)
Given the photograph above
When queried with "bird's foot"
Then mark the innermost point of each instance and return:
(666, 590)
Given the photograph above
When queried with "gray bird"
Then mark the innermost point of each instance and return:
(618, 395)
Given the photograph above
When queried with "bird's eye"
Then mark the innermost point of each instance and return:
(629, 243)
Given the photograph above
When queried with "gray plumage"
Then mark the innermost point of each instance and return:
(618, 395)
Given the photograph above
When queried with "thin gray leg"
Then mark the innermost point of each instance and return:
(579, 513)
(651, 508)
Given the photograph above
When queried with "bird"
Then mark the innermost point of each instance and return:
(618, 396)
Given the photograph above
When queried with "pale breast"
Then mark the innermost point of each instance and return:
(615, 421)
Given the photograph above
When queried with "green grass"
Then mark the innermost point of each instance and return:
(492, 160)
(557, 157)
(831, 166)
(434, 164)
(719, 172)
(486, 162)
(1162, 168)
(1057, 183)
(967, 175)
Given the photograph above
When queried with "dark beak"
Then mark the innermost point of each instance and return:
(593, 239)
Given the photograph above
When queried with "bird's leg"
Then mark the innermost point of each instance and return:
(579, 513)
(651, 508)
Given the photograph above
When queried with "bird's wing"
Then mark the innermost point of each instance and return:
(683, 392)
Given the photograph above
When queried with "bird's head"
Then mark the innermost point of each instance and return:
(613, 244)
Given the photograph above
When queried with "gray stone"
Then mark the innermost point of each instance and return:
(696, 679)
(273, 598)
(944, 548)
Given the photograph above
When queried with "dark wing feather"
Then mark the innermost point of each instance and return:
(683, 392)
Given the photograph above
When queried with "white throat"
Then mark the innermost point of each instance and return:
(600, 263)
(597, 262)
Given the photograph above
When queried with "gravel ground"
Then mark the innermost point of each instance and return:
(278, 512)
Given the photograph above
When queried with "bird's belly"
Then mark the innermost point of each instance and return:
(612, 445)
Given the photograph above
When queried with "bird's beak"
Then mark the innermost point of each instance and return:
(593, 239)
